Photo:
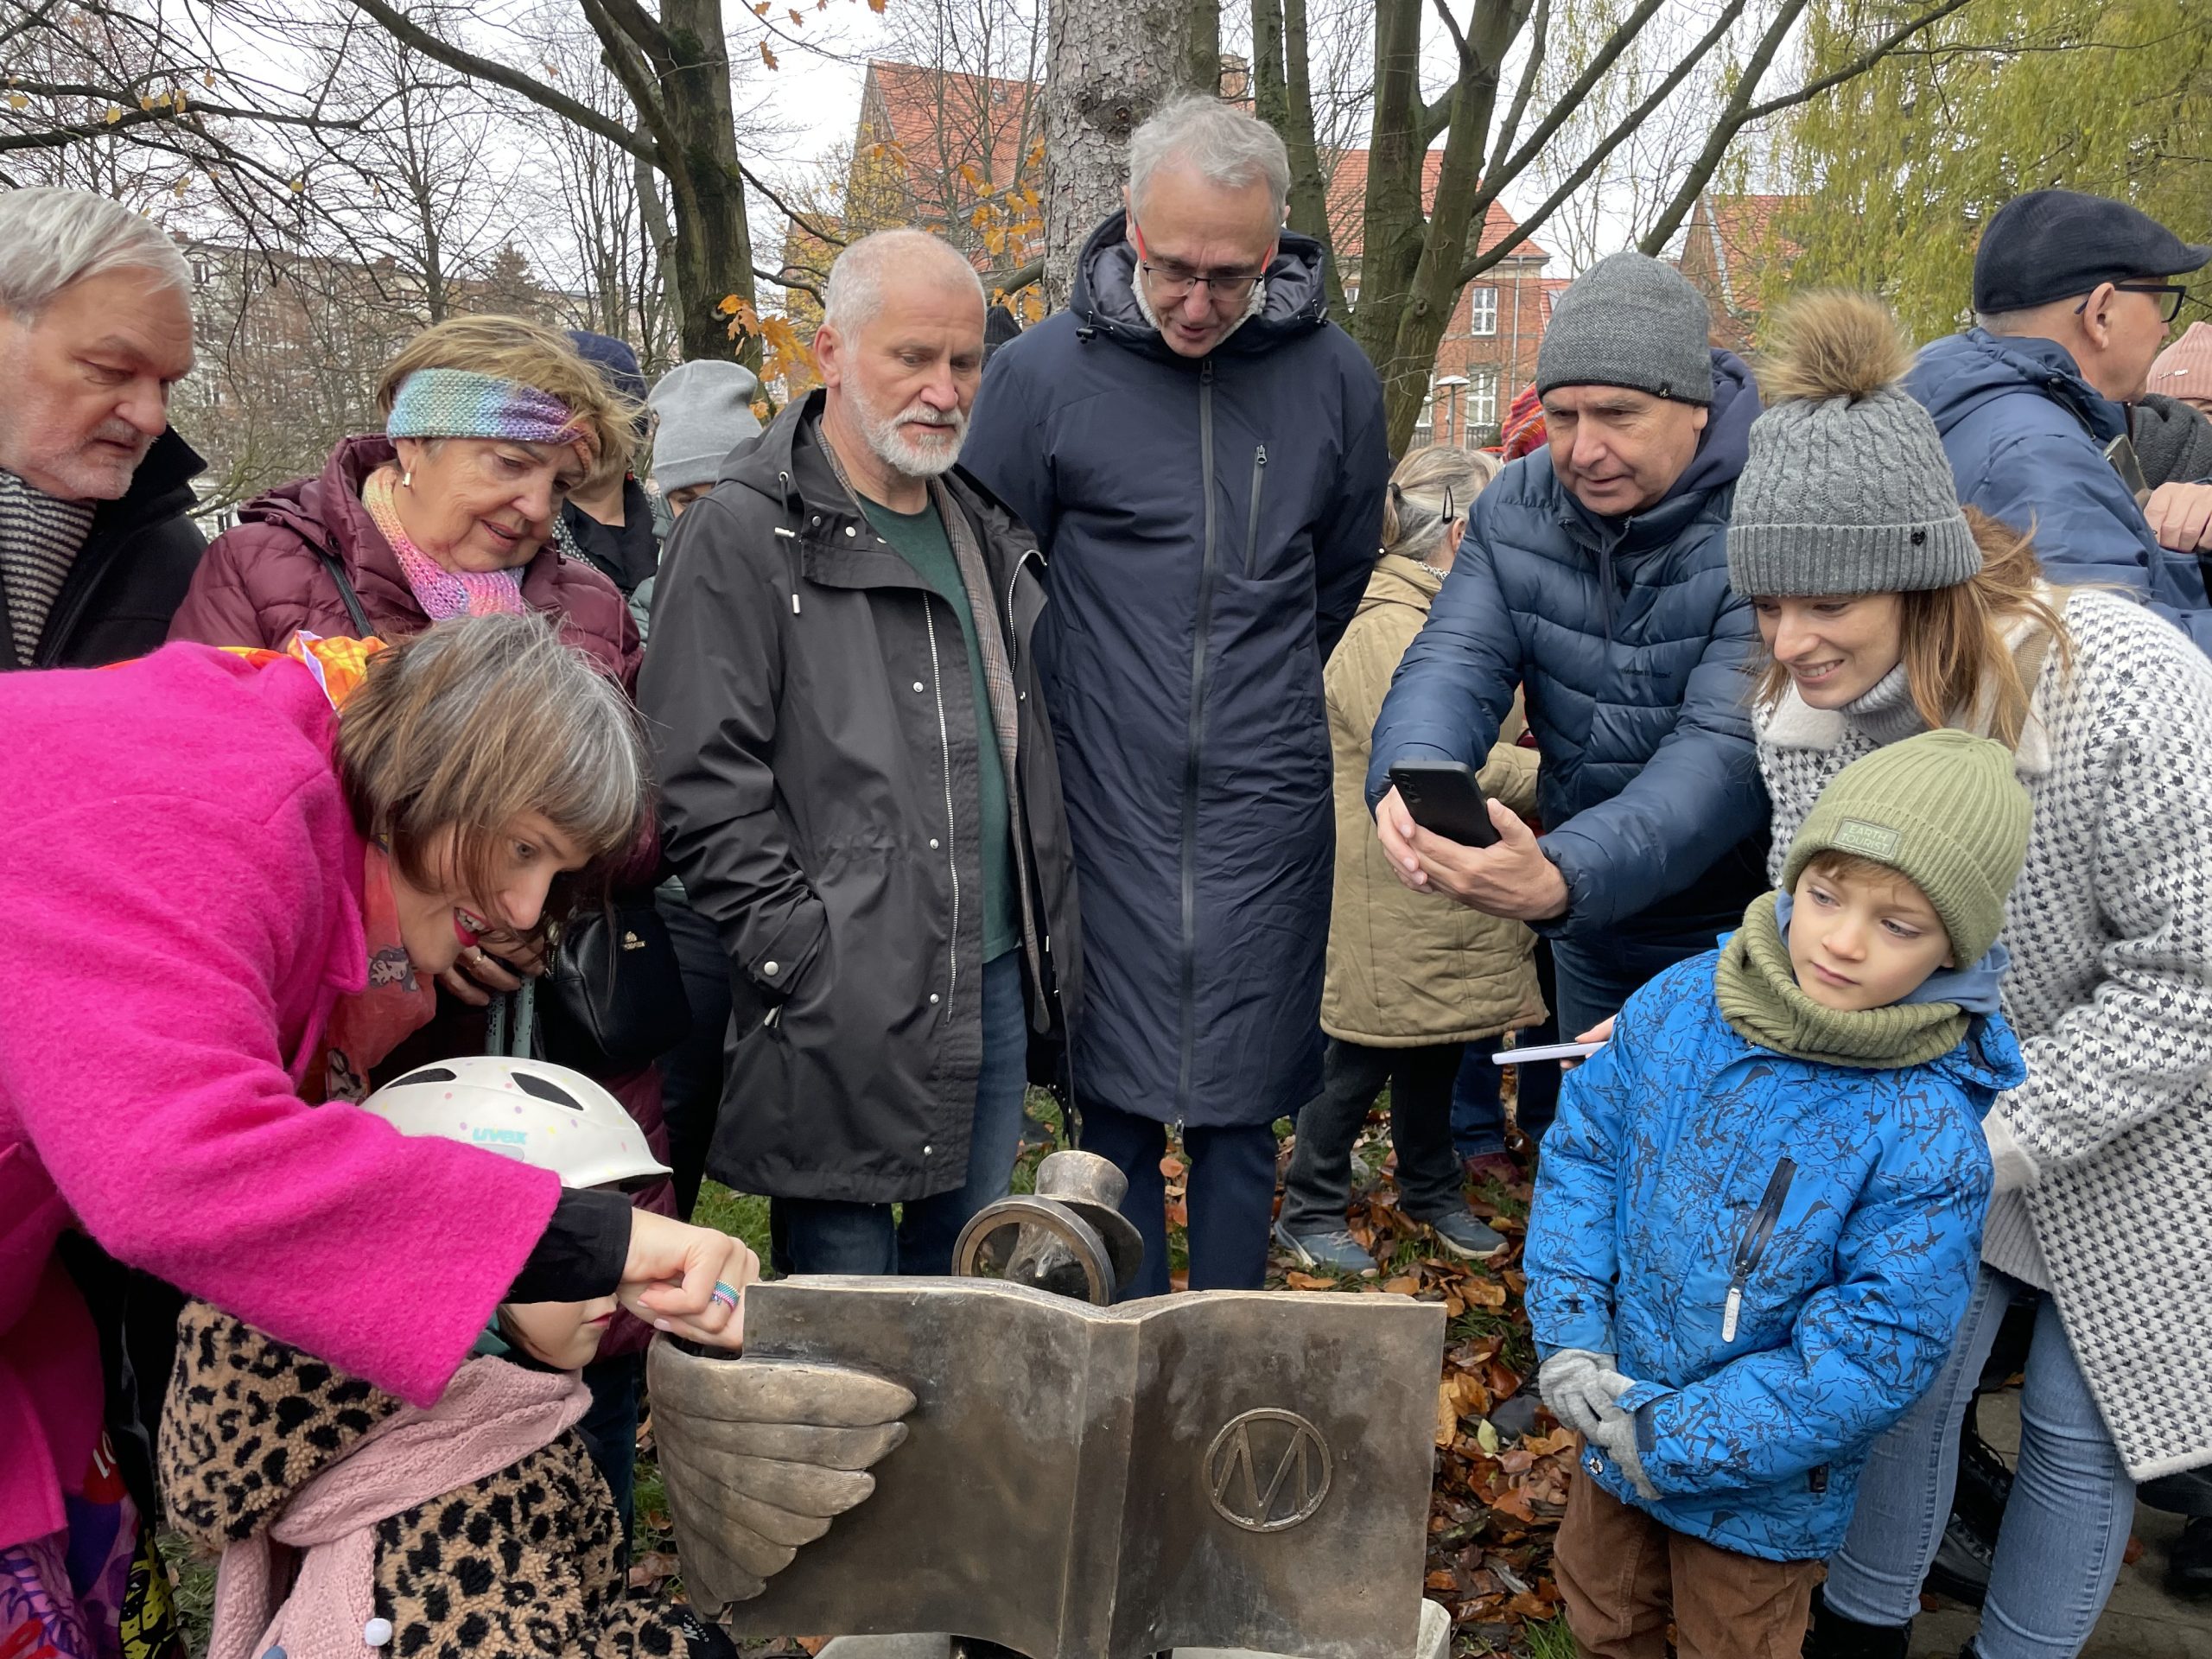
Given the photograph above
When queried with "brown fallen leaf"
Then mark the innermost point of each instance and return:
(1308, 1281)
(1448, 1415)
(1483, 1292)
(651, 1569)
(1404, 1285)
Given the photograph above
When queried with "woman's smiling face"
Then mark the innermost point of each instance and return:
(438, 923)
(483, 503)
(1835, 648)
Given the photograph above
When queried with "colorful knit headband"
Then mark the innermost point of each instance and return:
(461, 404)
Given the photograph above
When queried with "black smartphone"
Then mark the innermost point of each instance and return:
(1446, 800)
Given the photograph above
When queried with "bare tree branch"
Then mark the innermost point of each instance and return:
(1612, 141)
(514, 80)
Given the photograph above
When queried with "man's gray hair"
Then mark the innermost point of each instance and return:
(854, 293)
(1220, 142)
(51, 237)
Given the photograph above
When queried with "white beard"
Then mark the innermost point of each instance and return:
(906, 456)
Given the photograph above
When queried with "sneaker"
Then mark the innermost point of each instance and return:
(1465, 1236)
(1338, 1252)
(2188, 1569)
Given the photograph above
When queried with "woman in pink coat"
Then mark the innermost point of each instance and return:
(202, 860)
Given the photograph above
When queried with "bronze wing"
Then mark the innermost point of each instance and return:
(759, 1456)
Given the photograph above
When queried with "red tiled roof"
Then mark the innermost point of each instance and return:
(1347, 208)
(941, 118)
(1745, 237)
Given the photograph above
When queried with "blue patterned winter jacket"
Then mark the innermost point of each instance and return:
(1779, 1252)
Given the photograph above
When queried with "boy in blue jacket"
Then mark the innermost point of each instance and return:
(1760, 1209)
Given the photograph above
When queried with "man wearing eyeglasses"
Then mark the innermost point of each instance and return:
(2072, 296)
(1201, 453)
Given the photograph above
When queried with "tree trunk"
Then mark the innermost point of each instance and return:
(660, 239)
(1109, 66)
(713, 244)
(1282, 96)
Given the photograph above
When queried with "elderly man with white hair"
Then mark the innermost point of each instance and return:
(860, 789)
(96, 550)
(1203, 453)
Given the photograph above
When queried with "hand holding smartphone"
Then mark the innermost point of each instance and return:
(1445, 800)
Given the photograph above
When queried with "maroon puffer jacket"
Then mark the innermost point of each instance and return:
(266, 578)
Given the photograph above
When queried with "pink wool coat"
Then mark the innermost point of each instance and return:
(182, 885)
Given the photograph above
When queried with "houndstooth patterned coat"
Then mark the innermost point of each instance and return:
(2110, 992)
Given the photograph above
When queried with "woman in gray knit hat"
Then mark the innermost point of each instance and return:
(1886, 609)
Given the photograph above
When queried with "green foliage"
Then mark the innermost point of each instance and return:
(1902, 165)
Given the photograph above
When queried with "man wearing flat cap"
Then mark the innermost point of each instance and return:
(2072, 298)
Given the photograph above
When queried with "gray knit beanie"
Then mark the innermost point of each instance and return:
(706, 411)
(1846, 489)
(1629, 321)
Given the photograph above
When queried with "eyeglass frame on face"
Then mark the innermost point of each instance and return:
(2176, 293)
(1221, 286)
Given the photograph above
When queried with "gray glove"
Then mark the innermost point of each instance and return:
(1616, 1434)
(1568, 1382)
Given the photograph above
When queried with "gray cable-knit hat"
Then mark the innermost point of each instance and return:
(1629, 321)
(1846, 489)
(705, 409)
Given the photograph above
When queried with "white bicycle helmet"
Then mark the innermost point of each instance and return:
(544, 1116)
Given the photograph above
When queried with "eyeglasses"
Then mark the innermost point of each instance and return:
(1175, 280)
(2169, 307)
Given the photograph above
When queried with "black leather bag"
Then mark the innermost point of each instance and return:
(613, 996)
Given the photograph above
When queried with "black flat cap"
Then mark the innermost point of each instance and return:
(2053, 245)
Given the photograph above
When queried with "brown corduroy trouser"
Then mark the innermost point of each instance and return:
(1622, 1575)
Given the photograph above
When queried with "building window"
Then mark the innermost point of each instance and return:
(1482, 311)
(200, 273)
(1482, 404)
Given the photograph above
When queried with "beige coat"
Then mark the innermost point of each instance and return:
(1407, 969)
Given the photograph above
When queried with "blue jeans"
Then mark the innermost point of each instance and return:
(1230, 1196)
(1478, 1106)
(2065, 1527)
(830, 1235)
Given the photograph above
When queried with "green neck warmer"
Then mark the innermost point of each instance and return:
(1761, 1000)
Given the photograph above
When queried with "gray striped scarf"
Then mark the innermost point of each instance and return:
(40, 536)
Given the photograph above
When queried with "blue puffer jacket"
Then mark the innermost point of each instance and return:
(1843, 1206)
(1631, 648)
(2026, 435)
(1208, 527)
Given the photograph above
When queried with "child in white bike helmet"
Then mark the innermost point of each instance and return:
(480, 1526)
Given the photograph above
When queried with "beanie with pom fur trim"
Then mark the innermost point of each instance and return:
(1846, 489)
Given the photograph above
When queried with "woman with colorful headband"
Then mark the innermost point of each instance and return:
(489, 423)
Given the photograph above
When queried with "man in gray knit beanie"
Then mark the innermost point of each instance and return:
(1594, 571)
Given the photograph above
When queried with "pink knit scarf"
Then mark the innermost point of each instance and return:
(491, 1416)
(441, 593)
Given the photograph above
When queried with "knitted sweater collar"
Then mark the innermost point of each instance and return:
(1761, 1001)
(1885, 710)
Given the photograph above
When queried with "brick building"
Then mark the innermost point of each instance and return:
(1734, 247)
(1489, 349)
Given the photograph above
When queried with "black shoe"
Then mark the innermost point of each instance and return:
(2188, 1569)
(1835, 1636)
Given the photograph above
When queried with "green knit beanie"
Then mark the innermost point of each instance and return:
(1945, 810)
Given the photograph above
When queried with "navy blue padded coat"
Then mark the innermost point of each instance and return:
(1208, 527)
(1631, 649)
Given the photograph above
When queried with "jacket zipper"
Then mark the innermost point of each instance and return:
(1751, 1248)
(1204, 621)
(951, 824)
(1037, 945)
(1252, 523)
